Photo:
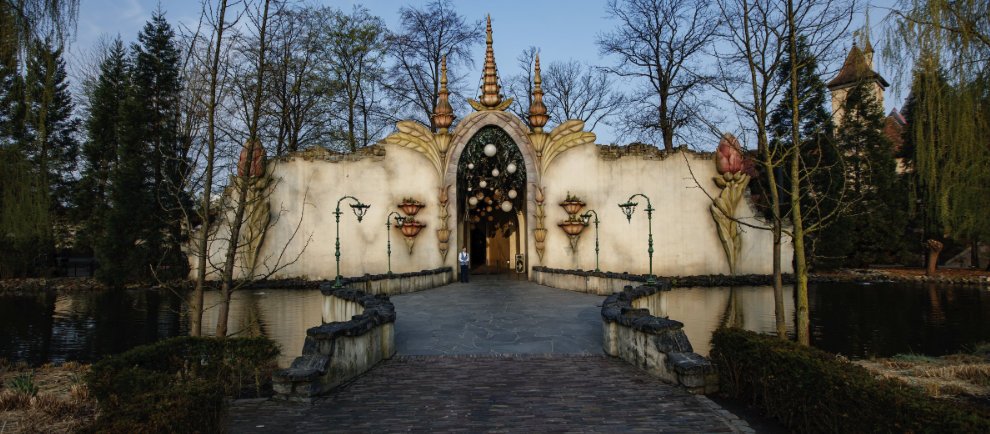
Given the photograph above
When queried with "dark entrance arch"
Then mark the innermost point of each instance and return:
(491, 199)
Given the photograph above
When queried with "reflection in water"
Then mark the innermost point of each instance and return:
(857, 320)
(84, 326)
(854, 320)
(281, 315)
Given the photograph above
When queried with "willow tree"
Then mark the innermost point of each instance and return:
(951, 135)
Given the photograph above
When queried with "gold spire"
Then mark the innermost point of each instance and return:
(443, 115)
(491, 92)
(537, 111)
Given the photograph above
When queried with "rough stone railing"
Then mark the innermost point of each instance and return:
(401, 283)
(655, 344)
(600, 283)
(342, 348)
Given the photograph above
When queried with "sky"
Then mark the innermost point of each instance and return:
(561, 29)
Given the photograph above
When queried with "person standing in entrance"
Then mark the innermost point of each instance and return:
(464, 259)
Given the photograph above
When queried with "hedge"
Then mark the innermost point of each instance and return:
(809, 390)
(179, 384)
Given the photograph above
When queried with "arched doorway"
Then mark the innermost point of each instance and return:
(491, 201)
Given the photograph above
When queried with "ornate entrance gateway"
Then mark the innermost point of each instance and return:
(491, 186)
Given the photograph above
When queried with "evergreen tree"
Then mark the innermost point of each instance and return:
(871, 230)
(157, 86)
(820, 162)
(99, 152)
(50, 127)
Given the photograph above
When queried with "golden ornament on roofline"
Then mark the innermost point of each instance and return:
(491, 91)
(537, 111)
(443, 115)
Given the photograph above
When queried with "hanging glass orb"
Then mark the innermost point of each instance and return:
(511, 168)
(483, 183)
(490, 150)
(470, 165)
(480, 194)
(482, 213)
(506, 206)
(490, 218)
(488, 208)
(488, 200)
(473, 201)
(513, 194)
(476, 219)
(495, 172)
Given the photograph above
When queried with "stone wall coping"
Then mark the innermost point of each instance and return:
(378, 310)
(618, 308)
(677, 281)
(386, 276)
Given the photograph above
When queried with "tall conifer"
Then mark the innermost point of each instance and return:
(871, 229)
(99, 152)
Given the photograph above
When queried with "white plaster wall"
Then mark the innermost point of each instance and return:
(685, 238)
(305, 197)
(684, 234)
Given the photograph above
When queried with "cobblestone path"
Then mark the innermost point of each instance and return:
(494, 393)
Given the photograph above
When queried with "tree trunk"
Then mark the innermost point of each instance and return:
(196, 303)
(934, 249)
(243, 181)
(802, 327)
(974, 254)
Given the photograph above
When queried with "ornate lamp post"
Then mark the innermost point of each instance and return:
(586, 217)
(399, 219)
(628, 208)
(359, 210)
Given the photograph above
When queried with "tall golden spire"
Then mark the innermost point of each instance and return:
(491, 92)
(443, 114)
(537, 111)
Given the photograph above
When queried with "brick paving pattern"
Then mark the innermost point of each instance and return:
(494, 393)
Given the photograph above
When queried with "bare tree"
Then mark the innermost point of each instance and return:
(212, 68)
(576, 91)
(756, 33)
(429, 35)
(658, 43)
(355, 49)
(297, 103)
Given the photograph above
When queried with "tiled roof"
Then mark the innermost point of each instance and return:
(855, 69)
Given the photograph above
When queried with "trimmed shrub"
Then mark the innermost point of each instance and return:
(809, 390)
(179, 384)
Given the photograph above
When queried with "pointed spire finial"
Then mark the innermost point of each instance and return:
(537, 111)
(443, 114)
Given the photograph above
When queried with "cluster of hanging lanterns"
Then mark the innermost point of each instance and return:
(491, 196)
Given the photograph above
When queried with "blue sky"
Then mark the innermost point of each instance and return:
(561, 29)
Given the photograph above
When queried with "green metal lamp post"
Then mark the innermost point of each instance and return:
(359, 210)
(399, 220)
(628, 208)
(586, 217)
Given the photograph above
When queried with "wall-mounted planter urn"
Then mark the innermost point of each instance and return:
(574, 225)
(411, 206)
(410, 229)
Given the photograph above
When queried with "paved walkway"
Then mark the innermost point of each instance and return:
(495, 355)
(562, 393)
(493, 315)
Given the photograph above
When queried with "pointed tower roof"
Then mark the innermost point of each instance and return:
(537, 111)
(491, 90)
(854, 69)
(443, 114)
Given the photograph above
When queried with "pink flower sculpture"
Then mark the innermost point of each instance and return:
(729, 157)
(257, 166)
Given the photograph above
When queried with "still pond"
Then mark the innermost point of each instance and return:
(856, 320)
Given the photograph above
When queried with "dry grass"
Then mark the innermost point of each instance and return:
(61, 405)
(959, 375)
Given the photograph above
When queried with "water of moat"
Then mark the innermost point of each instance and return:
(856, 320)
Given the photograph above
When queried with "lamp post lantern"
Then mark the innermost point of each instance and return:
(399, 220)
(628, 208)
(359, 210)
(586, 217)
